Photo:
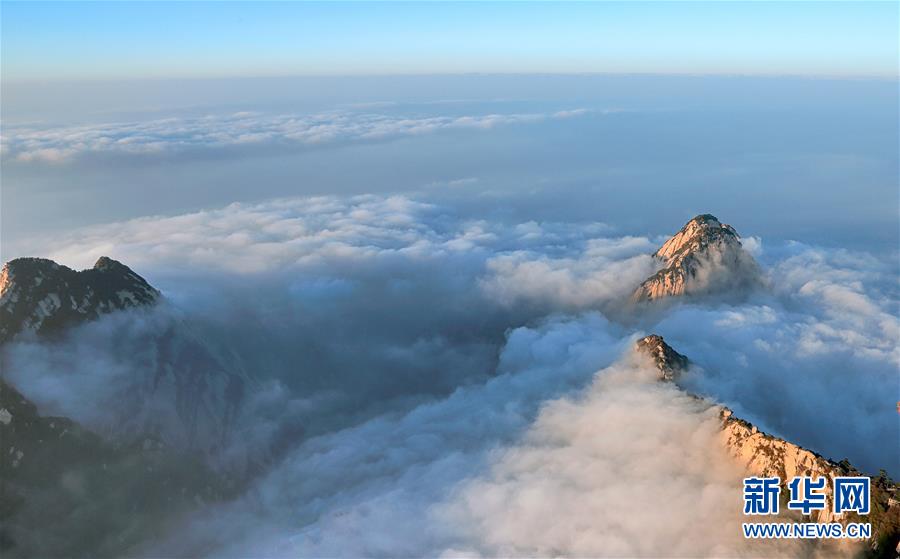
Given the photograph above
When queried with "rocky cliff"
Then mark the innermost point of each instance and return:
(53, 471)
(179, 389)
(705, 257)
(668, 362)
(41, 296)
(765, 455)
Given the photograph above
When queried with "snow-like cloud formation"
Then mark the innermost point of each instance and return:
(240, 130)
(606, 270)
(427, 382)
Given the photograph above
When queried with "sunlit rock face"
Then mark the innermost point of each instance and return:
(42, 296)
(768, 456)
(668, 362)
(704, 257)
(765, 455)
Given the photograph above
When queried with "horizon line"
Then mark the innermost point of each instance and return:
(894, 77)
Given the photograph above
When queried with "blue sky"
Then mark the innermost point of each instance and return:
(94, 40)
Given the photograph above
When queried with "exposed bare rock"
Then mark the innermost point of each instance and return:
(42, 296)
(765, 455)
(669, 362)
(704, 257)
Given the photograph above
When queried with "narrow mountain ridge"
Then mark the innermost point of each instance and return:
(765, 455)
(669, 362)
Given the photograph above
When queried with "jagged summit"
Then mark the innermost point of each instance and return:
(697, 234)
(39, 295)
(704, 257)
(669, 362)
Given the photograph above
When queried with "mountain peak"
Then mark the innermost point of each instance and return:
(703, 257)
(669, 362)
(107, 263)
(39, 295)
(697, 234)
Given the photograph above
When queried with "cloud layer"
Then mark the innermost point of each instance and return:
(425, 382)
(247, 130)
(327, 267)
(288, 293)
(624, 466)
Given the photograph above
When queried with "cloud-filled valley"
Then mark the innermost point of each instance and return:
(424, 381)
(449, 279)
(488, 472)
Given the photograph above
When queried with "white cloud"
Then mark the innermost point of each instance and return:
(606, 270)
(630, 467)
(541, 460)
(814, 360)
(374, 325)
(367, 490)
(823, 329)
(218, 132)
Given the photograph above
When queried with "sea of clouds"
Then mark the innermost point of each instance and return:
(426, 383)
(238, 132)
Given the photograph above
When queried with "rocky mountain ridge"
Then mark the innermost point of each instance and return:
(669, 362)
(765, 455)
(41, 296)
(704, 258)
(176, 373)
(56, 472)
